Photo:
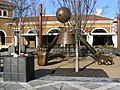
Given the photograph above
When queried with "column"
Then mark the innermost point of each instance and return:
(36, 41)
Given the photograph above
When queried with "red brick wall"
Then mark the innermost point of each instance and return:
(118, 31)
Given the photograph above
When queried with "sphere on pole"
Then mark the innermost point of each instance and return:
(63, 14)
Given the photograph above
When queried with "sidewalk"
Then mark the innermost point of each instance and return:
(63, 83)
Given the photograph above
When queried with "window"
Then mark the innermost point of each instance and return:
(0, 12)
(54, 31)
(4, 13)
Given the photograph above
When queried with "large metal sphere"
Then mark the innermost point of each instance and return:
(63, 14)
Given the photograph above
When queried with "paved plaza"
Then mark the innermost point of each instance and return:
(86, 65)
(59, 75)
(63, 83)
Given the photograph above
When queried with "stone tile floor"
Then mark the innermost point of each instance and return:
(63, 83)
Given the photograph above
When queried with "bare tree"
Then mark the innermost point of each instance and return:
(24, 9)
(81, 10)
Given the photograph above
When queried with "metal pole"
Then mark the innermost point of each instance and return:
(19, 38)
(40, 27)
(20, 22)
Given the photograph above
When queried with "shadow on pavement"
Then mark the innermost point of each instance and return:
(42, 72)
(87, 72)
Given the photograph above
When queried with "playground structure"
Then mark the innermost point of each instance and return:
(66, 38)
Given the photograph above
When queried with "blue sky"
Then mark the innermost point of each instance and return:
(109, 7)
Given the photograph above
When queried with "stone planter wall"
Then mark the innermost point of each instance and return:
(18, 69)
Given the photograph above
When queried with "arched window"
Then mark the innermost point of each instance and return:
(32, 38)
(5, 13)
(54, 32)
(99, 31)
(0, 12)
(101, 39)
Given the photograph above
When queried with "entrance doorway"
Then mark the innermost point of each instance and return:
(47, 39)
(2, 38)
(31, 38)
(102, 40)
(100, 37)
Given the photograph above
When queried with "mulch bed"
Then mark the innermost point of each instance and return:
(87, 72)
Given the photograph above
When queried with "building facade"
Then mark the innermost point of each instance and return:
(99, 31)
(6, 10)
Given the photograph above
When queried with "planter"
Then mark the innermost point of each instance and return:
(42, 57)
(11, 49)
(23, 48)
(2, 54)
(18, 69)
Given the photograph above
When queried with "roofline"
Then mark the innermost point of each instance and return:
(104, 17)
